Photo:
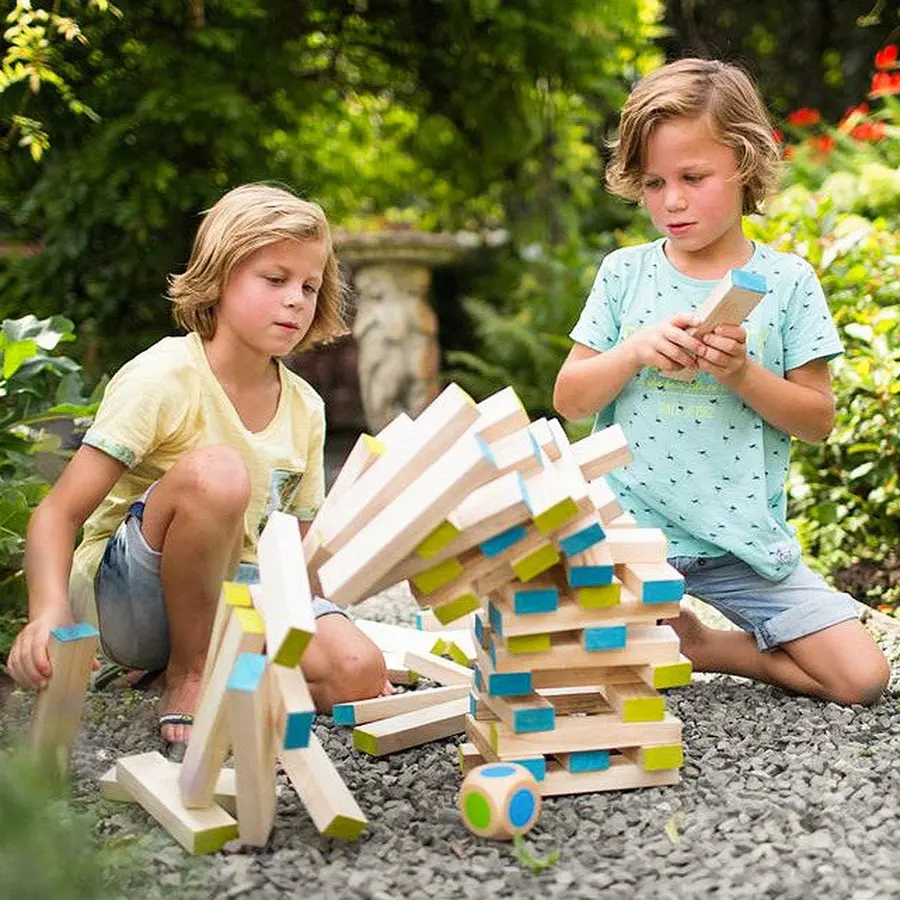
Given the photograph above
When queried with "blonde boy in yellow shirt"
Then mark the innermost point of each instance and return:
(196, 441)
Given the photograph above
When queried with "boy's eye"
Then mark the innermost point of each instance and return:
(274, 279)
(694, 179)
(310, 289)
(652, 185)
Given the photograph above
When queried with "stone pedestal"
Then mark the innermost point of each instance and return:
(395, 327)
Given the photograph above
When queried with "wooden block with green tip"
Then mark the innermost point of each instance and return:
(232, 594)
(412, 729)
(284, 598)
(667, 675)
(439, 539)
(656, 758)
(330, 805)
(210, 737)
(154, 784)
(58, 707)
(549, 501)
(535, 562)
(636, 702)
(225, 793)
(249, 702)
(436, 668)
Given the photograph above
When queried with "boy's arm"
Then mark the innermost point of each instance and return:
(589, 381)
(49, 546)
(800, 404)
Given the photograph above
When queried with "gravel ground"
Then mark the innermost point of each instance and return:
(781, 797)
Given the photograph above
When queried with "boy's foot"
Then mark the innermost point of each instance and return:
(176, 709)
(691, 632)
(175, 750)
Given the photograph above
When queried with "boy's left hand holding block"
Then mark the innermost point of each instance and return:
(58, 708)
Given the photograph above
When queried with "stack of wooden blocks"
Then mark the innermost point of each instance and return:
(255, 703)
(495, 517)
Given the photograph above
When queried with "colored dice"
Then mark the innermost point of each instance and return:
(499, 800)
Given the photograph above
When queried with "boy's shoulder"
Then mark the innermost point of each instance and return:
(302, 389)
(633, 256)
(168, 356)
(781, 266)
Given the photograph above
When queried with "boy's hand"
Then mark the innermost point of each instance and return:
(724, 355)
(667, 345)
(29, 658)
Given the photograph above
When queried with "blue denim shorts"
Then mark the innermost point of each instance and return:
(775, 612)
(134, 629)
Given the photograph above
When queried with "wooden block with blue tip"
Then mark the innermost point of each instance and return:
(232, 594)
(293, 709)
(284, 599)
(330, 805)
(361, 712)
(58, 707)
(593, 567)
(249, 701)
(153, 782)
(652, 582)
(500, 800)
(549, 500)
(210, 735)
(524, 714)
(394, 532)
(730, 302)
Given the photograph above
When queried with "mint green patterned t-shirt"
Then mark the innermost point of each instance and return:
(707, 468)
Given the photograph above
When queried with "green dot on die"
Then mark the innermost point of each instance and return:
(478, 810)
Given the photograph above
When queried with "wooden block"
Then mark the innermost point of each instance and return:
(606, 503)
(284, 599)
(210, 738)
(412, 729)
(363, 711)
(499, 801)
(522, 714)
(225, 794)
(58, 707)
(652, 583)
(517, 452)
(435, 430)
(621, 775)
(394, 532)
(646, 644)
(625, 520)
(729, 303)
(427, 621)
(232, 594)
(549, 500)
(364, 453)
(637, 545)
(249, 704)
(636, 702)
(436, 668)
(656, 758)
(293, 709)
(592, 568)
(602, 451)
(584, 761)
(322, 791)
(667, 675)
(465, 603)
(540, 431)
(540, 595)
(469, 757)
(534, 561)
(397, 638)
(500, 414)
(576, 733)
(153, 782)
(397, 670)
(580, 535)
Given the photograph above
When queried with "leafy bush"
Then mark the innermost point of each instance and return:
(37, 388)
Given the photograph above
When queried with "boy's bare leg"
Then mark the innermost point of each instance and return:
(195, 517)
(341, 664)
(841, 663)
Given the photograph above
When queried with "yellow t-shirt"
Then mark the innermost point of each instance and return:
(166, 402)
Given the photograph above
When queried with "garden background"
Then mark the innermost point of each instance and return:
(118, 124)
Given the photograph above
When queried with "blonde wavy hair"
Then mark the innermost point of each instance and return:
(698, 88)
(242, 221)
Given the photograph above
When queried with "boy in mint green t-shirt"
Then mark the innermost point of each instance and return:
(711, 455)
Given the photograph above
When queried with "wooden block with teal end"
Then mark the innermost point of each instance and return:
(636, 702)
(524, 714)
(443, 573)
(533, 598)
(499, 800)
(439, 539)
(503, 541)
(529, 643)
(667, 675)
(584, 760)
(657, 758)
(495, 617)
(534, 563)
(599, 596)
(653, 582)
(456, 608)
(503, 684)
(590, 576)
(598, 638)
(581, 540)
(530, 720)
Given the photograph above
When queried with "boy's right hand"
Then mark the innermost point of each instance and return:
(668, 345)
(29, 658)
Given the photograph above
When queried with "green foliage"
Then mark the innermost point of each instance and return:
(37, 388)
(526, 859)
(845, 493)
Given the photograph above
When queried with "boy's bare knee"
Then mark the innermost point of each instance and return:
(215, 477)
(866, 686)
(358, 674)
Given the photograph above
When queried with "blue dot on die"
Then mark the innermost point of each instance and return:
(500, 771)
(521, 808)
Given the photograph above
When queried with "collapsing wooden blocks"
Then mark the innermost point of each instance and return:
(566, 595)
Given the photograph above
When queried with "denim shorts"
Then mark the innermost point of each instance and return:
(134, 629)
(775, 612)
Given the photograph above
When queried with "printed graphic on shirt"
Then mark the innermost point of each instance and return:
(284, 487)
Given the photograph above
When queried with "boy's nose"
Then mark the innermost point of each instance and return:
(674, 200)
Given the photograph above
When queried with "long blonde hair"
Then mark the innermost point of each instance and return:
(243, 221)
(698, 88)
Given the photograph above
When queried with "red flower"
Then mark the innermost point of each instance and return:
(885, 83)
(868, 131)
(804, 117)
(778, 135)
(823, 144)
(886, 58)
(788, 152)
